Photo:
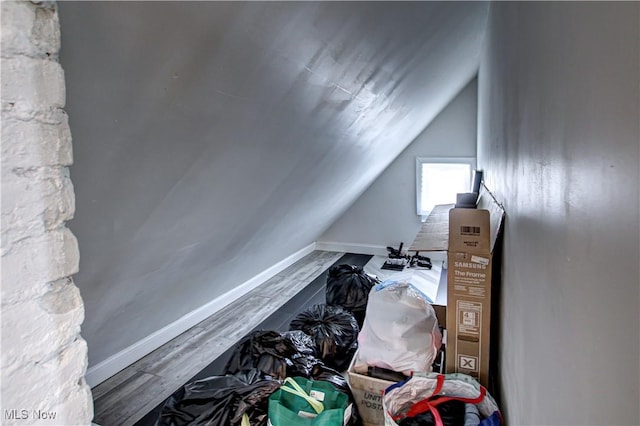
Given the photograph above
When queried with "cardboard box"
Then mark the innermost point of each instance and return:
(471, 235)
(469, 314)
(469, 231)
(367, 393)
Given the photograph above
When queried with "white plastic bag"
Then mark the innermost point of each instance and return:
(400, 330)
(399, 399)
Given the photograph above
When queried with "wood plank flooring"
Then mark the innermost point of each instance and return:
(128, 396)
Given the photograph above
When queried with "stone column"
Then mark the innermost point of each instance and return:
(44, 358)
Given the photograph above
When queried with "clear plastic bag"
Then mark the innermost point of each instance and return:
(423, 392)
(400, 330)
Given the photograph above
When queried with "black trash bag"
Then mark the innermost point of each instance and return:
(327, 374)
(303, 343)
(334, 331)
(451, 412)
(265, 350)
(304, 361)
(348, 286)
(333, 376)
(220, 401)
(277, 354)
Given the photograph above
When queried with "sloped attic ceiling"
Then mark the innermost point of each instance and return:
(214, 139)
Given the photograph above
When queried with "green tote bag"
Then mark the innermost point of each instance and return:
(306, 402)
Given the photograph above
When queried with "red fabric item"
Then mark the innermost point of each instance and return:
(431, 404)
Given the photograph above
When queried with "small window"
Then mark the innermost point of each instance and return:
(438, 180)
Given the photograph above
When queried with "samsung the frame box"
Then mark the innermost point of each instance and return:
(469, 293)
(470, 236)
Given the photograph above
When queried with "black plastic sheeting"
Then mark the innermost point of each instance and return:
(348, 286)
(256, 369)
(220, 401)
(334, 332)
(279, 355)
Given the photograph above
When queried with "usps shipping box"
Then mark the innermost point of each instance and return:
(367, 393)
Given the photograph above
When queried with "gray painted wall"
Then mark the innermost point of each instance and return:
(559, 140)
(385, 214)
(214, 139)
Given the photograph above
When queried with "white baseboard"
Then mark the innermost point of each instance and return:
(103, 370)
(352, 248)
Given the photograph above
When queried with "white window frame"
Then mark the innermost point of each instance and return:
(471, 161)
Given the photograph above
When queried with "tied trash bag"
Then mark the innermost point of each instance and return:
(348, 286)
(305, 361)
(334, 331)
(221, 401)
(428, 392)
(400, 332)
(274, 353)
(304, 402)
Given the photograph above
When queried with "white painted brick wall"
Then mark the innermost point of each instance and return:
(54, 150)
(44, 358)
(46, 201)
(35, 82)
(29, 31)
